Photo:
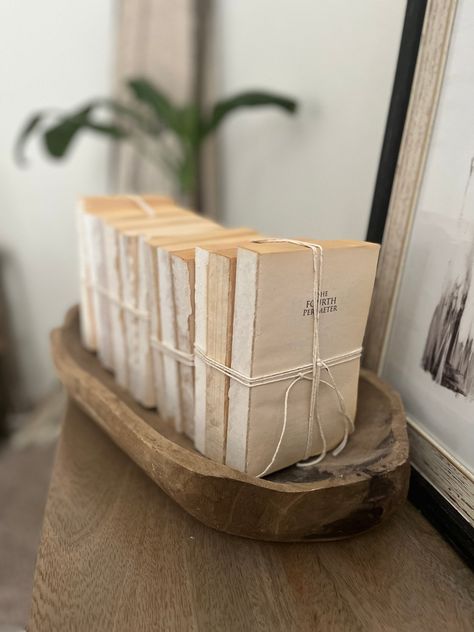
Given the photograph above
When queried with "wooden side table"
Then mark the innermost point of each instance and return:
(118, 555)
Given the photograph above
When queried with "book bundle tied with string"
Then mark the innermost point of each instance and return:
(249, 345)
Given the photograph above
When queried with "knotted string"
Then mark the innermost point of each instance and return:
(310, 372)
(315, 373)
(279, 376)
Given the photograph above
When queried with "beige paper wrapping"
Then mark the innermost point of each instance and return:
(273, 329)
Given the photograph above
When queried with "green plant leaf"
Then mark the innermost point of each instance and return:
(188, 126)
(146, 124)
(187, 168)
(27, 130)
(165, 111)
(59, 137)
(245, 100)
(114, 131)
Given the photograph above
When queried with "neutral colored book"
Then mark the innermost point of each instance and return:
(136, 299)
(108, 306)
(176, 269)
(272, 337)
(87, 209)
(215, 290)
(158, 296)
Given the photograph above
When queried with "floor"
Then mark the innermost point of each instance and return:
(25, 467)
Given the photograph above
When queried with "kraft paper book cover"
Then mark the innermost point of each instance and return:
(215, 290)
(92, 206)
(109, 307)
(155, 253)
(103, 231)
(273, 332)
(136, 315)
(150, 296)
(176, 268)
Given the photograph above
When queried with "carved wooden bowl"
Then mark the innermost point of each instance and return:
(337, 498)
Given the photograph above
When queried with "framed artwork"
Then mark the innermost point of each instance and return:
(421, 327)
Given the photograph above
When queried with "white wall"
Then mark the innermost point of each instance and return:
(53, 53)
(312, 175)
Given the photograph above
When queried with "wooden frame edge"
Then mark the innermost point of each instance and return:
(449, 477)
(429, 74)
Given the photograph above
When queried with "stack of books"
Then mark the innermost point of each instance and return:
(249, 345)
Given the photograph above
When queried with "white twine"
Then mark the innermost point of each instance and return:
(134, 351)
(140, 313)
(160, 345)
(310, 372)
(143, 204)
(172, 352)
(149, 210)
(279, 376)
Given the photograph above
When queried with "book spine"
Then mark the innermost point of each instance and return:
(200, 369)
(220, 298)
(183, 275)
(144, 360)
(102, 302)
(88, 330)
(117, 324)
(242, 353)
(155, 331)
(168, 336)
(128, 275)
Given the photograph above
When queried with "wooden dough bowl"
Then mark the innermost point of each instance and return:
(338, 498)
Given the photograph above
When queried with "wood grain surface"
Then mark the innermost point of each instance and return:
(339, 498)
(117, 554)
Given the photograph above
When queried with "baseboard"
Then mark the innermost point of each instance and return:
(443, 490)
(449, 477)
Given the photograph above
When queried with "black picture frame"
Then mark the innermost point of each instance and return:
(405, 71)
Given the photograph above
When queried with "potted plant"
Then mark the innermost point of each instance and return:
(146, 122)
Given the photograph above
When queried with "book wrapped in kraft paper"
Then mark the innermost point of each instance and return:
(111, 344)
(177, 280)
(155, 253)
(88, 209)
(136, 298)
(269, 425)
(106, 284)
(214, 309)
(151, 293)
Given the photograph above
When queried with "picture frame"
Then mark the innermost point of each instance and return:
(441, 486)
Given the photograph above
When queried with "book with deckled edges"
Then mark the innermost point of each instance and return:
(136, 314)
(110, 311)
(86, 209)
(177, 280)
(107, 291)
(152, 291)
(273, 332)
(214, 298)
